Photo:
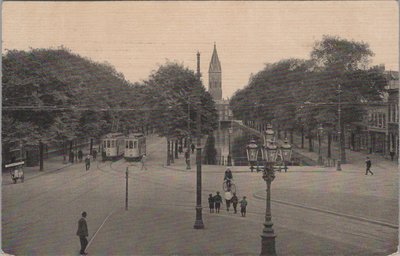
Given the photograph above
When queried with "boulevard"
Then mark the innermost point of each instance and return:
(316, 210)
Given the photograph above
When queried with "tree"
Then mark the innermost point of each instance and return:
(175, 87)
(210, 152)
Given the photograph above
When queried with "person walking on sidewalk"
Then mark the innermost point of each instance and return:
(217, 201)
(71, 156)
(192, 147)
(228, 197)
(143, 161)
(87, 162)
(368, 165)
(234, 201)
(83, 233)
(211, 203)
(243, 205)
(187, 159)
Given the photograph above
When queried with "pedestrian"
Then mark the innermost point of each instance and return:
(80, 155)
(94, 152)
(368, 165)
(234, 201)
(187, 159)
(391, 155)
(87, 162)
(71, 156)
(218, 202)
(228, 197)
(143, 160)
(243, 205)
(83, 233)
(192, 146)
(211, 203)
(180, 150)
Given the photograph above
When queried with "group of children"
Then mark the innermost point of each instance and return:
(216, 201)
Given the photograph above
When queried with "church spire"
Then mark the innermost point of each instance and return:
(215, 65)
(214, 76)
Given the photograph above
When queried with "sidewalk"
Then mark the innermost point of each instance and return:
(353, 158)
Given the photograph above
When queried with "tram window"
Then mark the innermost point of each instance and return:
(135, 145)
(130, 144)
(108, 143)
(126, 144)
(112, 143)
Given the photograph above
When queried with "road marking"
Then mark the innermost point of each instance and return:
(102, 224)
(331, 212)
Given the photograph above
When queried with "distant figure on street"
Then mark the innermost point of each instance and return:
(391, 155)
(218, 202)
(228, 197)
(368, 165)
(187, 159)
(243, 205)
(234, 201)
(80, 155)
(211, 203)
(87, 162)
(192, 147)
(143, 161)
(180, 150)
(94, 152)
(71, 156)
(83, 233)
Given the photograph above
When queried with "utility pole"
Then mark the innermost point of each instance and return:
(338, 167)
(126, 190)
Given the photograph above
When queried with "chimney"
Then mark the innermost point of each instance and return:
(198, 64)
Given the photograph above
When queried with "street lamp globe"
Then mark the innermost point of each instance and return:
(269, 134)
(252, 153)
(270, 151)
(286, 150)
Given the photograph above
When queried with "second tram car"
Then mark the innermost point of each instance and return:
(113, 146)
(135, 146)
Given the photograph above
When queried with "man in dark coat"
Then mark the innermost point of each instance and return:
(193, 147)
(83, 233)
(368, 165)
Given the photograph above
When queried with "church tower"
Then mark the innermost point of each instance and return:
(214, 76)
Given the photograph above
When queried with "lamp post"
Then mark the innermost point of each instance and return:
(269, 154)
(338, 167)
(320, 130)
(230, 131)
(199, 219)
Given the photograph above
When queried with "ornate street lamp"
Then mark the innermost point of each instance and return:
(269, 155)
(252, 154)
(320, 131)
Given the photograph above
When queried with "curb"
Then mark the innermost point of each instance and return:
(330, 212)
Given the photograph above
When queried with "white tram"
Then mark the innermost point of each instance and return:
(135, 146)
(113, 146)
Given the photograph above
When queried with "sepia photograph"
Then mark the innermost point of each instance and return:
(200, 128)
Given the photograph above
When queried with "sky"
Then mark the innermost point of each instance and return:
(137, 37)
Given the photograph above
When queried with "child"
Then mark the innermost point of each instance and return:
(217, 201)
(211, 203)
(243, 204)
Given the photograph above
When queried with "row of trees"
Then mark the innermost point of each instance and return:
(300, 95)
(55, 96)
